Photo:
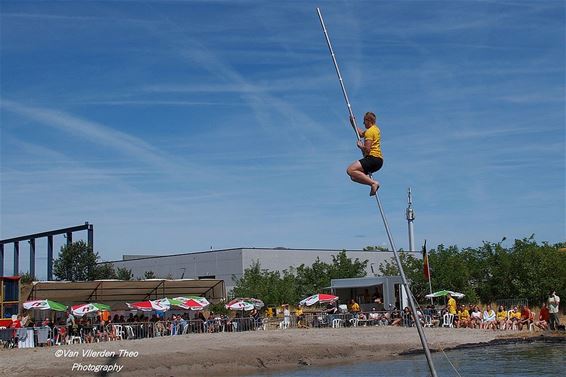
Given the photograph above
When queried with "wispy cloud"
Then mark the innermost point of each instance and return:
(94, 132)
(75, 18)
(151, 103)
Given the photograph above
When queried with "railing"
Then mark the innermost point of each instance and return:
(58, 335)
(510, 302)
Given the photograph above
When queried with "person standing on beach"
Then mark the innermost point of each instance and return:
(70, 323)
(451, 306)
(299, 314)
(553, 303)
(372, 161)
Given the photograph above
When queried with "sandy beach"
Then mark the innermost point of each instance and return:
(235, 354)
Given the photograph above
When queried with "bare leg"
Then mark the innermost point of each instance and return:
(356, 173)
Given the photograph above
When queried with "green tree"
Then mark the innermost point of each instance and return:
(78, 262)
(291, 285)
(272, 287)
(413, 268)
(312, 279)
(376, 248)
(454, 270)
(538, 269)
(26, 278)
(527, 270)
(343, 267)
(104, 271)
(122, 273)
(149, 275)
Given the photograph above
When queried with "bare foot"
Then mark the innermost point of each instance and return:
(374, 187)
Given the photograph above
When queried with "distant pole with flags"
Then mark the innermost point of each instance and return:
(426, 270)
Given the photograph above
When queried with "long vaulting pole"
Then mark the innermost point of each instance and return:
(391, 243)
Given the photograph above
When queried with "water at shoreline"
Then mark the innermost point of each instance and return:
(518, 360)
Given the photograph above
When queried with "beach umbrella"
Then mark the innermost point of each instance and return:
(191, 302)
(444, 293)
(257, 303)
(148, 306)
(199, 299)
(240, 305)
(82, 309)
(45, 305)
(245, 304)
(319, 298)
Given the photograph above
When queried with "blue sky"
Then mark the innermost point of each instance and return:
(176, 126)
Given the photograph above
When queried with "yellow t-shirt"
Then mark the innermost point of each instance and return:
(452, 306)
(516, 314)
(298, 312)
(463, 314)
(374, 134)
(501, 315)
(355, 307)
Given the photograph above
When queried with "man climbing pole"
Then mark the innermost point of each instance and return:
(359, 171)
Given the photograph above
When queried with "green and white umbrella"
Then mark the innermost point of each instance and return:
(45, 305)
(82, 309)
(445, 293)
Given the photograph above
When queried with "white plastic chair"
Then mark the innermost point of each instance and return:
(74, 338)
(118, 332)
(336, 322)
(130, 332)
(60, 338)
(185, 329)
(532, 321)
(447, 320)
(427, 320)
(354, 322)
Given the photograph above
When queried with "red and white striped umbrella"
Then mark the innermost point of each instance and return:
(245, 304)
(82, 309)
(147, 306)
(191, 303)
(319, 298)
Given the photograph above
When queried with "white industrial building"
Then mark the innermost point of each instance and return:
(228, 263)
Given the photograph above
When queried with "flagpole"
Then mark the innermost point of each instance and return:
(429, 280)
(427, 264)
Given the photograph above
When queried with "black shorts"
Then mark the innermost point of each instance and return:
(371, 164)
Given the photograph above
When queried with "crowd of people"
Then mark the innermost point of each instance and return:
(104, 327)
(515, 317)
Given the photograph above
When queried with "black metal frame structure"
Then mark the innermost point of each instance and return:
(68, 232)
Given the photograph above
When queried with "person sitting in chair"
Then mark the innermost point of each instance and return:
(543, 317)
(354, 308)
(527, 317)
